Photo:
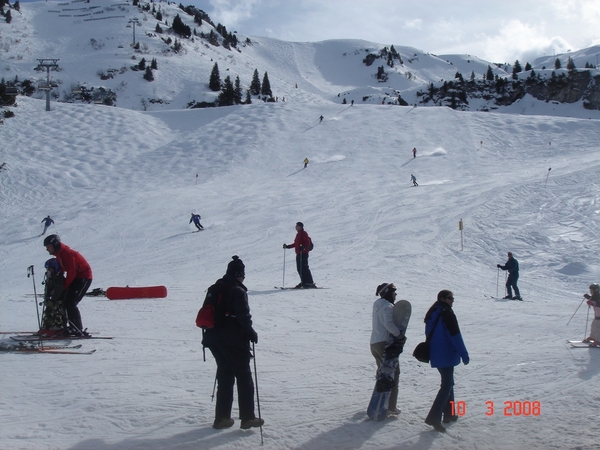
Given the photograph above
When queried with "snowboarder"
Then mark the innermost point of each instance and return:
(47, 222)
(229, 342)
(512, 265)
(594, 300)
(196, 219)
(383, 325)
(77, 281)
(446, 350)
(305, 162)
(414, 180)
(302, 245)
(54, 318)
(414, 152)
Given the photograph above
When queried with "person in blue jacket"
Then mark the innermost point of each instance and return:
(47, 221)
(446, 350)
(196, 219)
(512, 265)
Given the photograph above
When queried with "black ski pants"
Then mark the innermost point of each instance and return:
(233, 363)
(75, 293)
(303, 270)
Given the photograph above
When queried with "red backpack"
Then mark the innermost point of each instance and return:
(207, 316)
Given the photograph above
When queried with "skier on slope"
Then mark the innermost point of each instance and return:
(414, 152)
(383, 325)
(229, 342)
(512, 265)
(414, 180)
(47, 221)
(196, 219)
(77, 281)
(594, 300)
(54, 318)
(302, 245)
(305, 162)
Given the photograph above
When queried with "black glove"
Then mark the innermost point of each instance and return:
(285, 246)
(498, 266)
(252, 336)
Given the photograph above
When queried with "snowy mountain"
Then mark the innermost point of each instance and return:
(120, 184)
(93, 43)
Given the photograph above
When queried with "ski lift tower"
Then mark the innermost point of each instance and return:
(47, 86)
(133, 22)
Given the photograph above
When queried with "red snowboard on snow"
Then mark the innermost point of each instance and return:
(123, 293)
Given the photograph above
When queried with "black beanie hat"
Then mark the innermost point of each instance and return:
(300, 224)
(236, 267)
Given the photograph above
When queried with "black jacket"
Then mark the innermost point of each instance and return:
(233, 321)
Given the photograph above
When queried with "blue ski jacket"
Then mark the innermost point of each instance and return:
(446, 346)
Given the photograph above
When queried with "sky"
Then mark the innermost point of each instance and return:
(494, 31)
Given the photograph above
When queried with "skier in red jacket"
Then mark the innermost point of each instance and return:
(77, 280)
(302, 245)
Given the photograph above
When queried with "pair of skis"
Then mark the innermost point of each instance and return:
(583, 344)
(21, 347)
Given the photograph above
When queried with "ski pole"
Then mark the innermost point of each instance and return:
(257, 397)
(31, 272)
(212, 397)
(497, 281)
(283, 281)
(576, 312)
(586, 323)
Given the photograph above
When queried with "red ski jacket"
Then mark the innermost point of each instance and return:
(72, 262)
(302, 242)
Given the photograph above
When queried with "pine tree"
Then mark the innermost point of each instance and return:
(570, 64)
(227, 95)
(528, 67)
(557, 64)
(255, 85)
(237, 91)
(215, 79)
(149, 75)
(154, 64)
(516, 69)
(142, 64)
(248, 97)
(489, 74)
(266, 86)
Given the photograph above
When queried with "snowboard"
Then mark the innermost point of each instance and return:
(377, 409)
(123, 293)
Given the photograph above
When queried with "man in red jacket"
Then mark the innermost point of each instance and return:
(77, 281)
(302, 245)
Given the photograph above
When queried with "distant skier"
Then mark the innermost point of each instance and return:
(321, 119)
(594, 300)
(77, 281)
(196, 219)
(305, 162)
(414, 180)
(352, 103)
(512, 265)
(414, 151)
(302, 245)
(47, 222)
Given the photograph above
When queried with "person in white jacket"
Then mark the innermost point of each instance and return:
(383, 325)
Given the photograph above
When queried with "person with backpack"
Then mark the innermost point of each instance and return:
(302, 245)
(229, 342)
(447, 348)
(77, 280)
(196, 219)
(47, 221)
